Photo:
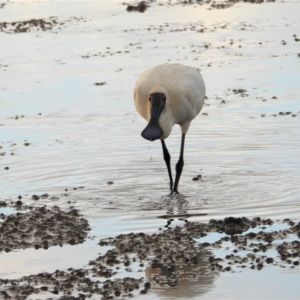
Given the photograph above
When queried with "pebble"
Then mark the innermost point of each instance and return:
(140, 7)
(269, 260)
(35, 197)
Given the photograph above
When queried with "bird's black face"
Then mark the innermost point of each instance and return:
(157, 103)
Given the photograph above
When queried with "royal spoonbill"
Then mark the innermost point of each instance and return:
(166, 95)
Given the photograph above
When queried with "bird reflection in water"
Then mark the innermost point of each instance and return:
(190, 278)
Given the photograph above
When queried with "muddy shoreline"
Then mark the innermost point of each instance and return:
(162, 258)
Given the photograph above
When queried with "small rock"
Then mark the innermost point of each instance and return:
(141, 7)
(260, 266)
(147, 285)
(269, 260)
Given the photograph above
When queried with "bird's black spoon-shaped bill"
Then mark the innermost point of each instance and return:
(153, 131)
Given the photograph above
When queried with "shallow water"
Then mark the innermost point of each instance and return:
(81, 134)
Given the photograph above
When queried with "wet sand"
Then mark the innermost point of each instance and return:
(85, 211)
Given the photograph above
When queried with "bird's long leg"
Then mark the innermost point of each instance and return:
(167, 159)
(179, 165)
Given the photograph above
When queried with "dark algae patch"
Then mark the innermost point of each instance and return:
(26, 26)
(140, 7)
(41, 228)
(38, 25)
(163, 258)
(219, 4)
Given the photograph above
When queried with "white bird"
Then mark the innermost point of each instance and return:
(166, 95)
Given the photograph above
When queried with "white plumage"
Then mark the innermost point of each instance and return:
(166, 95)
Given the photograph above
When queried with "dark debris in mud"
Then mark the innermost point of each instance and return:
(41, 228)
(177, 247)
(197, 178)
(140, 7)
(167, 257)
(213, 4)
(196, 49)
(2, 5)
(17, 117)
(62, 284)
(282, 113)
(100, 83)
(37, 25)
(241, 92)
(26, 26)
(229, 3)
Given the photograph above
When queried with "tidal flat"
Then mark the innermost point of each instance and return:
(84, 205)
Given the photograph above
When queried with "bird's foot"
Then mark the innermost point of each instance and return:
(173, 192)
